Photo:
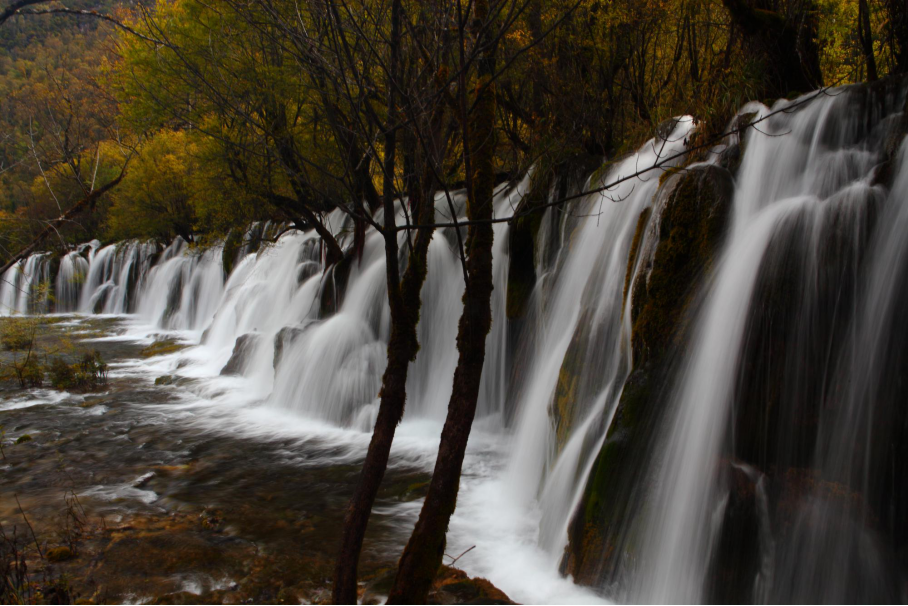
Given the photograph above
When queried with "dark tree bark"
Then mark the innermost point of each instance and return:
(865, 36)
(404, 302)
(423, 554)
(788, 44)
(897, 13)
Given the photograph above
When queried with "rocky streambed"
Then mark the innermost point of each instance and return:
(123, 494)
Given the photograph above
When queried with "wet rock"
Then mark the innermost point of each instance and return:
(689, 229)
(736, 558)
(607, 502)
(674, 246)
(59, 554)
(162, 348)
(453, 586)
(571, 379)
(23, 439)
(551, 180)
(242, 351)
(230, 254)
(211, 519)
(334, 287)
(306, 270)
(164, 380)
(174, 296)
(284, 339)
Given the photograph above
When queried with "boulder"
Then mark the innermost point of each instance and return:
(242, 351)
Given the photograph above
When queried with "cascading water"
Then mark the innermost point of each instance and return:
(26, 287)
(70, 278)
(581, 324)
(778, 341)
(113, 277)
(182, 289)
(792, 358)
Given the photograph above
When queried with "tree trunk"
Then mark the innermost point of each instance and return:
(423, 554)
(791, 60)
(897, 14)
(403, 299)
(865, 35)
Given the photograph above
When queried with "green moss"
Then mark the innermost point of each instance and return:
(162, 347)
(23, 439)
(569, 378)
(668, 174)
(690, 229)
(607, 465)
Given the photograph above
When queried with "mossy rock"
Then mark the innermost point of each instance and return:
(162, 347)
(690, 229)
(59, 554)
(570, 381)
(608, 500)
(454, 586)
(232, 245)
(164, 380)
(642, 223)
(23, 439)
(688, 224)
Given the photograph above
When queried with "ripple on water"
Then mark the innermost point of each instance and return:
(37, 397)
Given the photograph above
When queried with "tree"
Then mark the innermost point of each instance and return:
(787, 44)
(423, 554)
(158, 196)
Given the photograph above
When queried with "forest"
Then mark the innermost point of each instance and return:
(376, 212)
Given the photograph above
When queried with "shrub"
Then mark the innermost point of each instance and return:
(17, 333)
(87, 374)
(27, 371)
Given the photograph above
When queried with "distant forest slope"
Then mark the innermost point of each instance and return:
(54, 114)
(220, 112)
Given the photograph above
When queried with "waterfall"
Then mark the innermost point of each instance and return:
(26, 287)
(779, 402)
(183, 289)
(779, 339)
(581, 341)
(113, 277)
(70, 278)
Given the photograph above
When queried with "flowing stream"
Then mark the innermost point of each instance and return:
(282, 349)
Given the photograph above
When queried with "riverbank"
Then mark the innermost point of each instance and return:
(122, 495)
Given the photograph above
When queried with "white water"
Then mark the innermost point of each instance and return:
(519, 489)
(806, 176)
(526, 468)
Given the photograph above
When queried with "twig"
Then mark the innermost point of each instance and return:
(27, 523)
(454, 560)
